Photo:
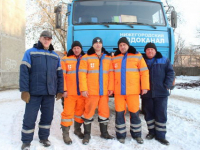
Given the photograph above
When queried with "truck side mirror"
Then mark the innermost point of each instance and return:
(58, 10)
(174, 19)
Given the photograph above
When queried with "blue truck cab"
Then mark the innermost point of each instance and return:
(141, 21)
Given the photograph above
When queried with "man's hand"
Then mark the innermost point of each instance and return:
(110, 92)
(25, 96)
(144, 91)
(65, 94)
(84, 93)
(59, 96)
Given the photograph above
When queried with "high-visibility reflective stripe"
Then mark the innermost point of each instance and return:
(86, 58)
(151, 127)
(111, 70)
(119, 57)
(92, 57)
(139, 57)
(136, 125)
(128, 70)
(28, 131)
(83, 70)
(59, 68)
(43, 53)
(104, 71)
(26, 63)
(66, 120)
(107, 58)
(63, 59)
(143, 69)
(45, 126)
(120, 126)
(136, 130)
(104, 121)
(150, 121)
(160, 129)
(87, 123)
(132, 70)
(120, 131)
(77, 117)
(117, 70)
(160, 124)
(71, 72)
(64, 71)
(103, 118)
(93, 71)
(69, 59)
(87, 119)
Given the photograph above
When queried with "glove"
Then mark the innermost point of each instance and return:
(25, 96)
(59, 96)
(84, 93)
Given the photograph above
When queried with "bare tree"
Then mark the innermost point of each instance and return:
(41, 17)
(180, 44)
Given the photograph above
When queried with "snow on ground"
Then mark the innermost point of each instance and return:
(183, 126)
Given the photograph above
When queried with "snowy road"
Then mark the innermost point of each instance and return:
(183, 126)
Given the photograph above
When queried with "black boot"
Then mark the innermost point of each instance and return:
(104, 131)
(77, 130)
(45, 143)
(162, 141)
(150, 136)
(25, 146)
(121, 140)
(87, 132)
(66, 137)
(139, 140)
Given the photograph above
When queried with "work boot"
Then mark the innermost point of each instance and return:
(25, 146)
(150, 136)
(45, 143)
(77, 130)
(139, 140)
(87, 132)
(66, 137)
(104, 131)
(121, 140)
(162, 141)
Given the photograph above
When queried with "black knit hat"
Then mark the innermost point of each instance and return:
(123, 40)
(97, 39)
(150, 45)
(76, 43)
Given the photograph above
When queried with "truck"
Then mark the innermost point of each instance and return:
(140, 21)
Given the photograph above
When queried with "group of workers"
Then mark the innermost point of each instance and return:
(86, 81)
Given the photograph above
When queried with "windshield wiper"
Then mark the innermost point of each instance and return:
(85, 23)
(123, 23)
(140, 23)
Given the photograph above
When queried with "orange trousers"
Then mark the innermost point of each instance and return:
(132, 101)
(91, 104)
(73, 108)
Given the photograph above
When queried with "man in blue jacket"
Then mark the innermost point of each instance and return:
(154, 103)
(41, 78)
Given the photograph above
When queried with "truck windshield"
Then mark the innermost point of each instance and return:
(118, 12)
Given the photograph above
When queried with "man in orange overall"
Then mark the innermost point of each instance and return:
(73, 101)
(131, 77)
(96, 83)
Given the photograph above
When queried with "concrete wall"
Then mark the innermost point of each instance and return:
(12, 41)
